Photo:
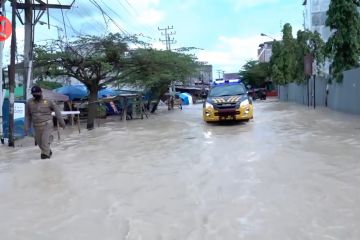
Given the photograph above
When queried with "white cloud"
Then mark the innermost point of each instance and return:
(231, 53)
(151, 17)
(148, 12)
(239, 4)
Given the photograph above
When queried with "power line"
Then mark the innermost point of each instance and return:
(146, 26)
(131, 6)
(62, 13)
(94, 23)
(119, 16)
(96, 4)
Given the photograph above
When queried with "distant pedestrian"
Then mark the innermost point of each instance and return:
(38, 113)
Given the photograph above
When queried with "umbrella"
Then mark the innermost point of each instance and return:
(186, 98)
(73, 91)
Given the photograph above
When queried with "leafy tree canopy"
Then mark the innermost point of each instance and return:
(255, 73)
(312, 44)
(155, 70)
(94, 61)
(343, 46)
(48, 84)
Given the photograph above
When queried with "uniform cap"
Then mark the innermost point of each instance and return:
(36, 89)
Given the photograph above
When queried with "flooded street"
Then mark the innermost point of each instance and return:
(291, 173)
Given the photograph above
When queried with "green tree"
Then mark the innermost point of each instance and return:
(311, 43)
(154, 70)
(283, 62)
(48, 84)
(255, 73)
(94, 61)
(277, 63)
(343, 46)
(289, 54)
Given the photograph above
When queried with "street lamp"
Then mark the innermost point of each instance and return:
(59, 29)
(265, 35)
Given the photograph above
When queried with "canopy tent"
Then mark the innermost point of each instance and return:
(186, 98)
(73, 91)
(108, 92)
(53, 96)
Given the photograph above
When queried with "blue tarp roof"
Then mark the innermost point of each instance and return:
(73, 91)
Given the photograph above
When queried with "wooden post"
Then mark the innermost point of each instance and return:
(78, 122)
(71, 116)
(58, 130)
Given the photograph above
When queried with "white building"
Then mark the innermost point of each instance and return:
(314, 20)
(265, 51)
(315, 17)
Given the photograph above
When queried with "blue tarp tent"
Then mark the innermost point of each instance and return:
(73, 91)
(186, 98)
(108, 92)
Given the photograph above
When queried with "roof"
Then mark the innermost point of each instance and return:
(228, 76)
(47, 94)
(53, 96)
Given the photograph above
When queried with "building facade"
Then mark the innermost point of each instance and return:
(265, 52)
(203, 76)
(314, 20)
(315, 17)
(231, 76)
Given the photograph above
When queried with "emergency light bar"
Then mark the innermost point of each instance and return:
(221, 81)
(234, 80)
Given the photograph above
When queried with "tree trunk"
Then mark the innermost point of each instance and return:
(92, 107)
(154, 107)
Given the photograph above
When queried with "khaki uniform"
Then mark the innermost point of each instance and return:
(38, 113)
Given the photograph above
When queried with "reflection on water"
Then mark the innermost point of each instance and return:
(282, 176)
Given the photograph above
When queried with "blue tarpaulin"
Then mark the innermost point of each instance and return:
(73, 91)
(108, 92)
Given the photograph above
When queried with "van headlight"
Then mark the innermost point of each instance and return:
(209, 105)
(244, 103)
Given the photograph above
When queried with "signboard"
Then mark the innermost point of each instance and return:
(5, 28)
(19, 118)
(19, 110)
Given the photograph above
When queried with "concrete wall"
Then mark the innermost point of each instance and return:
(343, 96)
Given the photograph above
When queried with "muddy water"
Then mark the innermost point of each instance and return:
(292, 173)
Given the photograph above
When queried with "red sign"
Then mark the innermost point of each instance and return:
(5, 28)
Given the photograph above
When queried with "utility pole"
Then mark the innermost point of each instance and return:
(165, 32)
(28, 44)
(30, 22)
(2, 93)
(12, 76)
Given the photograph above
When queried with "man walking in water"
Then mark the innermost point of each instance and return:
(38, 113)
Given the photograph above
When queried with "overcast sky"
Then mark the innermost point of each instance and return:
(227, 30)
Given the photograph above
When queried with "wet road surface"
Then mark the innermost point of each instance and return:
(292, 173)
